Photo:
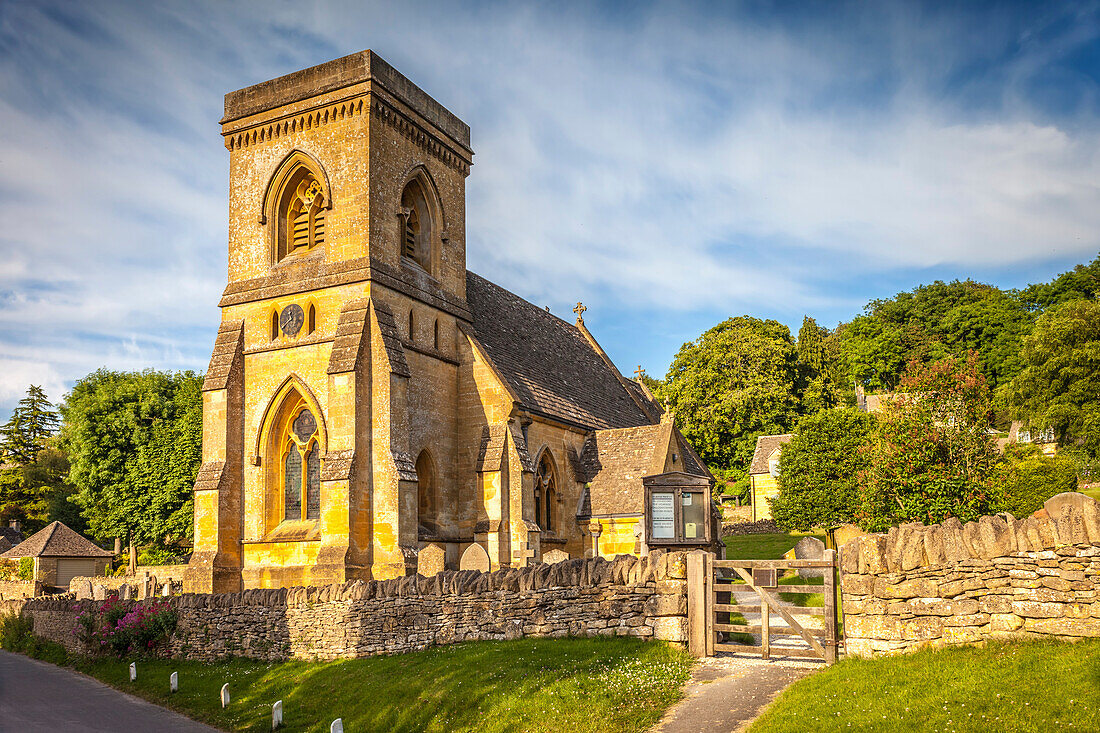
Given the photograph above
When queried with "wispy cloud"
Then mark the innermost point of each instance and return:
(701, 160)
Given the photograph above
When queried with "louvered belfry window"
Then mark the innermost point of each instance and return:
(412, 231)
(301, 214)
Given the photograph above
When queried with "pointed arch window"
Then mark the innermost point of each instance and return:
(311, 324)
(546, 488)
(416, 225)
(301, 468)
(300, 216)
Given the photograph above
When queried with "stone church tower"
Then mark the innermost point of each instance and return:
(369, 403)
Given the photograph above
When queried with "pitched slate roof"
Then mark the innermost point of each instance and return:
(12, 535)
(548, 363)
(765, 445)
(614, 461)
(56, 540)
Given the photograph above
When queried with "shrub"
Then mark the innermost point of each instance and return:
(158, 556)
(26, 568)
(1030, 478)
(119, 629)
(818, 470)
(16, 635)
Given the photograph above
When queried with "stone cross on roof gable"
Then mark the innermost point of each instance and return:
(639, 372)
(579, 310)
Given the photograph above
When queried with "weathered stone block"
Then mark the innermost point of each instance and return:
(995, 604)
(666, 605)
(872, 551)
(953, 545)
(994, 537)
(922, 628)
(941, 607)
(1063, 626)
(973, 619)
(961, 635)
(857, 584)
(670, 628)
(923, 587)
(874, 627)
(1036, 609)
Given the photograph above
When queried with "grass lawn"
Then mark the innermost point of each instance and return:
(1093, 492)
(1022, 686)
(570, 684)
(762, 546)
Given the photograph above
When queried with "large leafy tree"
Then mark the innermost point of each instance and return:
(931, 456)
(134, 441)
(1080, 283)
(931, 322)
(1059, 386)
(735, 382)
(818, 470)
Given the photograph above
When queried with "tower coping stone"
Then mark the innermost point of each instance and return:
(337, 74)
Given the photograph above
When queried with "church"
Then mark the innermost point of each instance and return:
(372, 409)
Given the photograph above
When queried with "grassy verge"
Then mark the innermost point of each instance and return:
(762, 546)
(524, 685)
(1023, 686)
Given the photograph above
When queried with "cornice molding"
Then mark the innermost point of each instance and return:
(388, 113)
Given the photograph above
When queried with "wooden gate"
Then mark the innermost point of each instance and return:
(712, 590)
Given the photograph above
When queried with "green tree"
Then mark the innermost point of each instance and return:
(735, 382)
(32, 479)
(134, 442)
(931, 322)
(1059, 386)
(931, 457)
(818, 390)
(1029, 478)
(819, 470)
(1080, 283)
(31, 425)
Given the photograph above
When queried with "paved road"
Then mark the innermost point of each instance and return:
(35, 696)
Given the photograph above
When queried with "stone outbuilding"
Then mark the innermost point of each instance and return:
(60, 554)
(368, 398)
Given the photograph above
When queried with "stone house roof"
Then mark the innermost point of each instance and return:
(11, 535)
(549, 364)
(56, 540)
(765, 446)
(614, 462)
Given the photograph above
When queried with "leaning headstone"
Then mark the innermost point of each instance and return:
(124, 592)
(133, 671)
(337, 726)
(99, 592)
(146, 587)
(554, 556)
(276, 714)
(174, 682)
(225, 695)
(430, 560)
(809, 548)
(474, 558)
(83, 590)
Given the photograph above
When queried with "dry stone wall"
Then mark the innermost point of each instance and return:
(999, 577)
(644, 598)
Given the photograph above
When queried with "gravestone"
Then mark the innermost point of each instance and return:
(554, 556)
(430, 560)
(83, 590)
(166, 589)
(474, 558)
(225, 695)
(145, 588)
(174, 682)
(133, 671)
(99, 592)
(276, 714)
(810, 548)
(124, 592)
(337, 726)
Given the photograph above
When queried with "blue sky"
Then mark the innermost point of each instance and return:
(669, 164)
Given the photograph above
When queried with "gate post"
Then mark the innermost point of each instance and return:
(830, 607)
(697, 603)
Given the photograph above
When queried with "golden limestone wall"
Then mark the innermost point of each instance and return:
(644, 598)
(996, 578)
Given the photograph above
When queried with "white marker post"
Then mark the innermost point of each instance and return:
(225, 695)
(337, 726)
(133, 671)
(276, 714)
(174, 682)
